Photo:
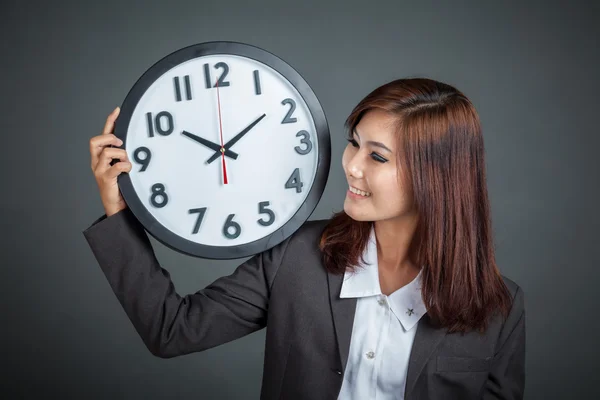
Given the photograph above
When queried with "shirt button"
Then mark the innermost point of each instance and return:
(370, 355)
(381, 302)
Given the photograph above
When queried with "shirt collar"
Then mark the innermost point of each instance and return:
(406, 303)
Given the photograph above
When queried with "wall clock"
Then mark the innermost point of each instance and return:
(230, 150)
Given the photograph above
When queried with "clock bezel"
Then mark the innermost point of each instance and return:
(185, 246)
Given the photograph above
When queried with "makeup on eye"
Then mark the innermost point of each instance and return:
(373, 155)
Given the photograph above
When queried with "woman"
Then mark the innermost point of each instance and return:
(396, 297)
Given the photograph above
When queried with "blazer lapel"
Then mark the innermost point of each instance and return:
(427, 338)
(343, 315)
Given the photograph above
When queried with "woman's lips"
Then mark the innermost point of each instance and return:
(353, 195)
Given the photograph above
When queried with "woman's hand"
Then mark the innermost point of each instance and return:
(102, 154)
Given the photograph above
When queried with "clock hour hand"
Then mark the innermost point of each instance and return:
(234, 140)
(210, 145)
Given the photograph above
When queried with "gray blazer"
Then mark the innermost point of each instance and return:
(287, 290)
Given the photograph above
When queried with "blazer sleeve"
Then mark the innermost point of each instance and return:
(507, 374)
(170, 324)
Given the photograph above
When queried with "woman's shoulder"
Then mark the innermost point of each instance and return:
(307, 237)
(512, 286)
(314, 226)
(516, 294)
(309, 230)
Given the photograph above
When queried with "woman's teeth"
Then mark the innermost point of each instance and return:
(360, 192)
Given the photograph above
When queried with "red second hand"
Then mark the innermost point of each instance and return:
(221, 130)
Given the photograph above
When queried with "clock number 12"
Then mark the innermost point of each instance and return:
(221, 82)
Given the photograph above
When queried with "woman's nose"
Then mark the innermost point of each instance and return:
(355, 167)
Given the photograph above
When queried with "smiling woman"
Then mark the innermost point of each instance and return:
(416, 149)
(415, 235)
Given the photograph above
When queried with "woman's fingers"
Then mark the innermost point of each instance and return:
(115, 170)
(107, 138)
(110, 121)
(105, 158)
(99, 143)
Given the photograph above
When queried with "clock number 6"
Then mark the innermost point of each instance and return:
(231, 224)
(262, 209)
(158, 189)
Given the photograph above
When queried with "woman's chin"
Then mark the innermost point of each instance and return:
(352, 211)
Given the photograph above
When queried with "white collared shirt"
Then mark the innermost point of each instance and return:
(382, 334)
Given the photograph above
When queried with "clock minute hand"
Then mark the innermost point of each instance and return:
(234, 139)
(209, 144)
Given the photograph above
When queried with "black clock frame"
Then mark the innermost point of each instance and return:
(182, 245)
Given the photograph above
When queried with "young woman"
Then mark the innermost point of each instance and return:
(398, 296)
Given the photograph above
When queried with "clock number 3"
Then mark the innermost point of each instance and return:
(305, 140)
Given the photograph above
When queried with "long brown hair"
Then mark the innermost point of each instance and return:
(441, 150)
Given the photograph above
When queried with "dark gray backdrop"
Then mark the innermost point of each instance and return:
(530, 69)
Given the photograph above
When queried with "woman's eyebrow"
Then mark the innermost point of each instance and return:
(373, 143)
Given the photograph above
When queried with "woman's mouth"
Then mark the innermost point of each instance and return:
(358, 194)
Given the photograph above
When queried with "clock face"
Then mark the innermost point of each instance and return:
(230, 150)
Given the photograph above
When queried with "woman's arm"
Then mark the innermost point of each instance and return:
(169, 324)
(507, 373)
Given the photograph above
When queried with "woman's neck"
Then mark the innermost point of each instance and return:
(394, 237)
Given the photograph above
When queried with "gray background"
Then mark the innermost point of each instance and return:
(530, 69)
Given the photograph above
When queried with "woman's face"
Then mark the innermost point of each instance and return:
(370, 165)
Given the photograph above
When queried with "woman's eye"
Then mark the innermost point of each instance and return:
(378, 158)
(373, 155)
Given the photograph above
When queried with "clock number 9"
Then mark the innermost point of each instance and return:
(144, 161)
(305, 140)
(158, 189)
(230, 223)
(262, 209)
